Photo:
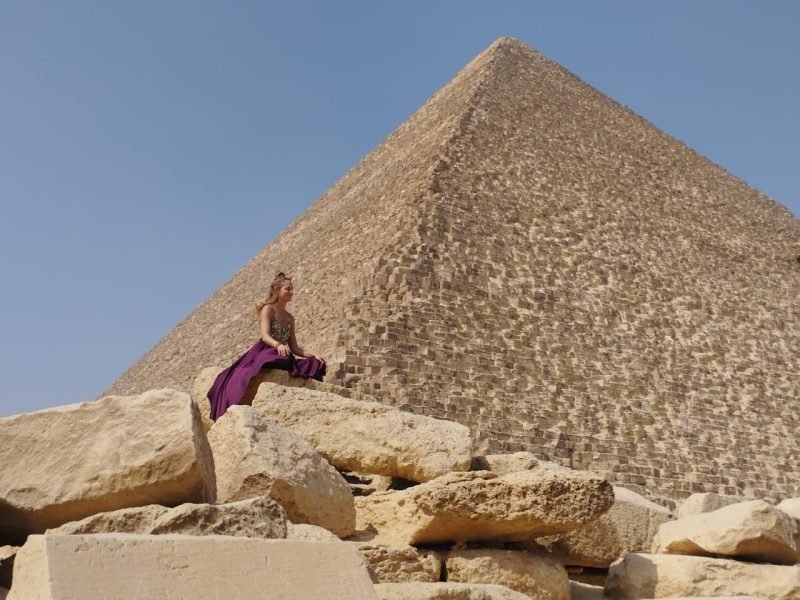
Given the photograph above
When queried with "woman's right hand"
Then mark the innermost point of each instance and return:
(283, 350)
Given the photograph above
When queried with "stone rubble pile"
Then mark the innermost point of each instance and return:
(310, 493)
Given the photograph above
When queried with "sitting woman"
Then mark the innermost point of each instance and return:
(276, 349)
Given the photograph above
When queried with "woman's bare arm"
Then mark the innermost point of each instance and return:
(296, 349)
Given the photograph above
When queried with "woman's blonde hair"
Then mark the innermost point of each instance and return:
(275, 286)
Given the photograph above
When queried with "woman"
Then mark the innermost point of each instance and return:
(276, 349)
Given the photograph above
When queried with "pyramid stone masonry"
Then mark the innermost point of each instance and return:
(528, 257)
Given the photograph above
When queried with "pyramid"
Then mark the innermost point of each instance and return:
(528, 257)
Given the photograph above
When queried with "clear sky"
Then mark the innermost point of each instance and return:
(149, 148)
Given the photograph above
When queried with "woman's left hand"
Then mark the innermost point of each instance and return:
(319, 358)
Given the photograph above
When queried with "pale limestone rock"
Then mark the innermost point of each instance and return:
(706, 502)
(258, 517)
(446, 591)
(255, 456)
(629, 526)
(399, 564)
(673, 575)
(585, 591)
(309, 533)
(751, 530)
(537, 576)
(791, 506)
(505, 463)
(63, 464)
(205, 380)
(368, 437)
(483, 506)
(170, 567)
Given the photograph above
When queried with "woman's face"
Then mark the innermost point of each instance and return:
(286, 291)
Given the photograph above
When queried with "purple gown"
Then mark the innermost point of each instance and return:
(230, 385)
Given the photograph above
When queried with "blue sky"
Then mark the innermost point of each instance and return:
(148, 149)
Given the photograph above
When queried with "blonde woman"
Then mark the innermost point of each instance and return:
(276, 349)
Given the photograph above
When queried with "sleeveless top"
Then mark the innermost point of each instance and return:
(279, 332)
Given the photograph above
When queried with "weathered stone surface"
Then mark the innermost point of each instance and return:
(505, 463)
(629, 526)
(751, 530)
(309, 533)
(706, 502)
(113, 453)
(483, 506)
(399, 564)
(537, 576)
(668, 575)
(446, 591)
(170, 567)
(205, 379)
(7, 554)
(585, 591)
(791, 506)
(366, 436)
(255, 456)
(258, 517)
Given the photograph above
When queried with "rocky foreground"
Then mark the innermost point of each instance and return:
(309, 493)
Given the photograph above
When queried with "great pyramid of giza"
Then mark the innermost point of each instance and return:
(528, 257)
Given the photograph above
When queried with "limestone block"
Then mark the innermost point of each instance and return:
(585, 591)
(368, 437)
(258, 517)
(205, 380)
(537, 576)
(706, 502)
(483, 506)
(399, 564)
(446, 591)
(751, 530)
(124, 566)
(629, 526)
(309, 533)
(255, 456)
(505, 463)
(7, 554)
(63, 464)
(791, 506)
(672, 575)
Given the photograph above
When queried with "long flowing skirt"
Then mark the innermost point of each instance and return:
(230, 385)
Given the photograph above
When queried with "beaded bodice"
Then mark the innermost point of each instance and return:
(279, 332)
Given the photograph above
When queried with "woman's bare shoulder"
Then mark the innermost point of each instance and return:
(268, 310)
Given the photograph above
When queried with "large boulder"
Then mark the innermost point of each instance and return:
(205, 380)
(256, 517)
(673, 575)
(63, 464)
(126, 566)
(706, 502)
(399, 564)
(483, 506)
(629, 526)
(537, 576)
(446, 591)
(791, 506)
(751, 530)
(255, 456)
(368, 437)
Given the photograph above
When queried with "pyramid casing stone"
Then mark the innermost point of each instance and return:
(63, 464)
